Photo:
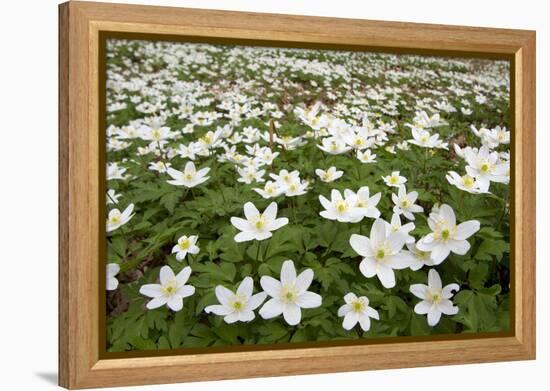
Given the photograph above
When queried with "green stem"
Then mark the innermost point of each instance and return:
(258, 250)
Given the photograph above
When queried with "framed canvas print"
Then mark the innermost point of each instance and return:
(247, 195)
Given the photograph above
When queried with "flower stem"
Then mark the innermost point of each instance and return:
(258, 250)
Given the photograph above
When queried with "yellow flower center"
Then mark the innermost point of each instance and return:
(115, 219)
(170, 288)
(468, 181)
(485, 167)
(260, 223)
(434, 297)
(405, 203)
(188, 176)
(394, 180)
(357, 306)
(380, 254)
(185, 244)
(341, 206)
(289, 294)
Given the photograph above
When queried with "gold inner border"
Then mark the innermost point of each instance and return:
(103, 36)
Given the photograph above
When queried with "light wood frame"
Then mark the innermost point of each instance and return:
(80, 365)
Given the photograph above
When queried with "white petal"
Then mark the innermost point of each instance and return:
(175, 303)
(361, 245)
(447, 291)
(434, 281)
(423, 307)
(151, 290)
(309, 300)
(386, 276)
(183, 275)
(419, 290)
(271, 309)
(350, 320)
(467, 229)
(271, 211)
(292, 314)
(240, 224)
(186, 291)
(256, 300)
(246, 286)
(401, 260)
(224, 295)
(368, 267)
(218, 310)
(166, 275)
(439, 253)
(303, 281)
(371, 312)
(250, 211)
(231, 318)
(278, 223)
(378, 232)
(288, 273)
(271, 286)
(246, 316)
(244, 237)
(433, 316)
(156, 302)
(448, 214)
(446, 307)
(364, 322)
(459, 247)
(343, 310)
(350, 297)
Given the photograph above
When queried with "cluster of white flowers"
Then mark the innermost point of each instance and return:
(217, 129)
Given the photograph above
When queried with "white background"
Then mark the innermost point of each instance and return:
(28, 153)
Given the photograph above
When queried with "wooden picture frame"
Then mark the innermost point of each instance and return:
(80, 25)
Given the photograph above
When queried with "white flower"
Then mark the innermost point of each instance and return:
(405, 203)
(112, 271)
(425, 139)
(159, 166)
(341, 209)
(171, 290)
(329, 175)
(156, 133)
(270, 190)
(465, 182)
(364, 202)
(186, 245)
(296, 188)
(486, 167)
(333, 146)
(382, 253)
(112, 197)
(366, 157)
(250, 174)
(115, 172)
(190, 177)
(419, 257)
(239, 306)
(357, 310)
(435, 299)
(396, 226)
(394, 179)
(285, 178)
(447, 237)
(117, 219)
(289, 295)
(257, 226)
